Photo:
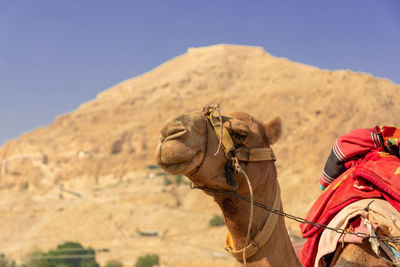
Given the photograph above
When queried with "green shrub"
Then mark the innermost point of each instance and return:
(147, 261)
(25, 186)
(68, 254)
(34, 259)
(167, 181)
(217, 221)
(113, 263)
(178, 179)
(4, 262)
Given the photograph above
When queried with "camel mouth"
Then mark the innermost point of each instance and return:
(184, 167)
(175, 157)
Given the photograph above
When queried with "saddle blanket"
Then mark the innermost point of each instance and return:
(377, 175)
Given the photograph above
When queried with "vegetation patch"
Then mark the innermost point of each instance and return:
(113, 263)
(148, 260)
(25, 186)
(217, 220)
(68, 254)
(4, 262)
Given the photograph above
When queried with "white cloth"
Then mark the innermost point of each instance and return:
(380, 213)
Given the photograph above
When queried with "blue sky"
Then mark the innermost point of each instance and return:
(55, 55)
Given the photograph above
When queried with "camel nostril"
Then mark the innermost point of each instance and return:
(173, 130)
(175, 133)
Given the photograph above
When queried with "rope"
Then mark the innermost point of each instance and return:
(393, 239)
(220, 122)
(238, 168)
(206, 111)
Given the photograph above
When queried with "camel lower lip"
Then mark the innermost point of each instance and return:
(172, 164)
(175, 152)
(175, 166)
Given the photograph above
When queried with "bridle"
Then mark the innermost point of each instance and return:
(226, 142)
(234, 157)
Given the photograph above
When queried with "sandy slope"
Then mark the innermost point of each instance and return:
(111, 216)
(110, 139)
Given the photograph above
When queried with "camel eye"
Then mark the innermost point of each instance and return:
(240, 135)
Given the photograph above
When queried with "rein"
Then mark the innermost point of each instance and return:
(392, 239)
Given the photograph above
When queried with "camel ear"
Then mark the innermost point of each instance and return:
(273, 130)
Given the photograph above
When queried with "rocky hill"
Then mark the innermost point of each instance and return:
(107, 140)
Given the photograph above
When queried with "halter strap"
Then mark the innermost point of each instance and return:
(261, 237)
(254, 154)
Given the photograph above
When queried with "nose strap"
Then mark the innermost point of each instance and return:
(225, 139)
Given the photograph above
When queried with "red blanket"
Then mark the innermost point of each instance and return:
(377, 175)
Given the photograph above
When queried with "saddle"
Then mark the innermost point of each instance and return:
(370, 217)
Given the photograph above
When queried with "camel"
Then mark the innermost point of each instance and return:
(188, 146)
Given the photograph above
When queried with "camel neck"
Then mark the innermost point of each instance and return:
(237, 212)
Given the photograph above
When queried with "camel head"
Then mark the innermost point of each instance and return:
(188, 145)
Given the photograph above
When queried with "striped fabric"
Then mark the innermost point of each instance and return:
(338, 153)
(375, 139)
(347, 148)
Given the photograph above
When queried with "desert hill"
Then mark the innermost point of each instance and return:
(110, 139)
